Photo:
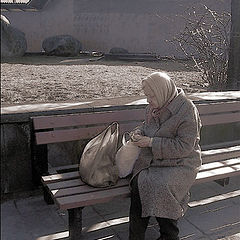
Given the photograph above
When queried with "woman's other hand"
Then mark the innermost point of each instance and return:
(134, 135)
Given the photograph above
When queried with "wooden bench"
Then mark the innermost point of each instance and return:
(220, 161)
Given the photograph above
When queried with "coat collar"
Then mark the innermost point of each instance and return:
(177, 102)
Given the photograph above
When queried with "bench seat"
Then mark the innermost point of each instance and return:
(74, 193)
(70, 192)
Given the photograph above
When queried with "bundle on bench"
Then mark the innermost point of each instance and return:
(220, 161)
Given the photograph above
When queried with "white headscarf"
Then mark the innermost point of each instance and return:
(162, 86)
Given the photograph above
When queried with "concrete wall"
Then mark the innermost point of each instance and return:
(16, 172)
(137, 25)
(16, 152)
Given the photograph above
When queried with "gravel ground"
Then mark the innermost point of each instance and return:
(38, 79)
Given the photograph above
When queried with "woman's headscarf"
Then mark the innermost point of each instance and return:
(164, 90)
(162, 86)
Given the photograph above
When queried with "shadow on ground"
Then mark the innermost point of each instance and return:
(42, 59)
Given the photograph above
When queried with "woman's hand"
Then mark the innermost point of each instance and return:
(142, 141)
(135, 133)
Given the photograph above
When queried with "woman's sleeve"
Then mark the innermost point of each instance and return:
(140, 129)
(183, 143)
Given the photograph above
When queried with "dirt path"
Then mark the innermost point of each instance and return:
(34, 79)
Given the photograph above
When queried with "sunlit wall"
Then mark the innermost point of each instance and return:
(137, 25)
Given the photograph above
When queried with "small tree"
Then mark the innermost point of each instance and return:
(205, 39)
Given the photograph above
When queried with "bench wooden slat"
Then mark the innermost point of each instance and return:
(220, 154)
(220, 145)
(59, 177)
(48, 122)
(218, 107)
(65, 168)
(65, 184)
(67, 135)
(98, 118)
(124, 182)
(76, 134)
(215, 198)
(92, 124)
(87, 199)
(85, 189)
(207, 155)
(220, 164)
(216, 174)
(57, 121)
(208, 120)
(51, 180)
(87, 133)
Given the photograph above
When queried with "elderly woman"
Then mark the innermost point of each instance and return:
(169, 160)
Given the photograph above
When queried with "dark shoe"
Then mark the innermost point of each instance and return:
(168, 229)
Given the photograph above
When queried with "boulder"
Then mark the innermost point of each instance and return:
(62, 45)
(39, 4)
(117, 50)
(13, 41)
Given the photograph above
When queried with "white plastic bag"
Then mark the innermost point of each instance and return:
(126, 157)
(97, 167)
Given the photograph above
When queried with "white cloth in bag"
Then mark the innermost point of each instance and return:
(126, 156)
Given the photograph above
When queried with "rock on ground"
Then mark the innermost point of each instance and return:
(62, 45)
(13, 41)
(117, 50)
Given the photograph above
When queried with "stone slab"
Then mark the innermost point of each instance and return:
(233, 237)
(118, 206)
(30, 218)
(12, 224)
(188, 231)
(214, 220)
(23, 111)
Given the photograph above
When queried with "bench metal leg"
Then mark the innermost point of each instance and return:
(47, 197)
(223, 182)
(75, 223)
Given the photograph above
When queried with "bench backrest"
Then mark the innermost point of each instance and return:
(71, 127)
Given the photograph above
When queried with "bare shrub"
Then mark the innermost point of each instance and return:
(206, 39)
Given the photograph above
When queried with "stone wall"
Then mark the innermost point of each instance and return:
(16, 173)
(137, 25)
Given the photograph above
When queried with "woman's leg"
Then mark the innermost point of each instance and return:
(137, 224)
(168, 229)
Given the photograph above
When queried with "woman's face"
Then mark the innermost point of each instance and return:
(151, 99)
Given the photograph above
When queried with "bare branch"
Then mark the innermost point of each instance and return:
(205, 39)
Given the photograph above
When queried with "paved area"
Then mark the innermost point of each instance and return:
(215, 214)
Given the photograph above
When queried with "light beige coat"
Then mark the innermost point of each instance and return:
(168, 169)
